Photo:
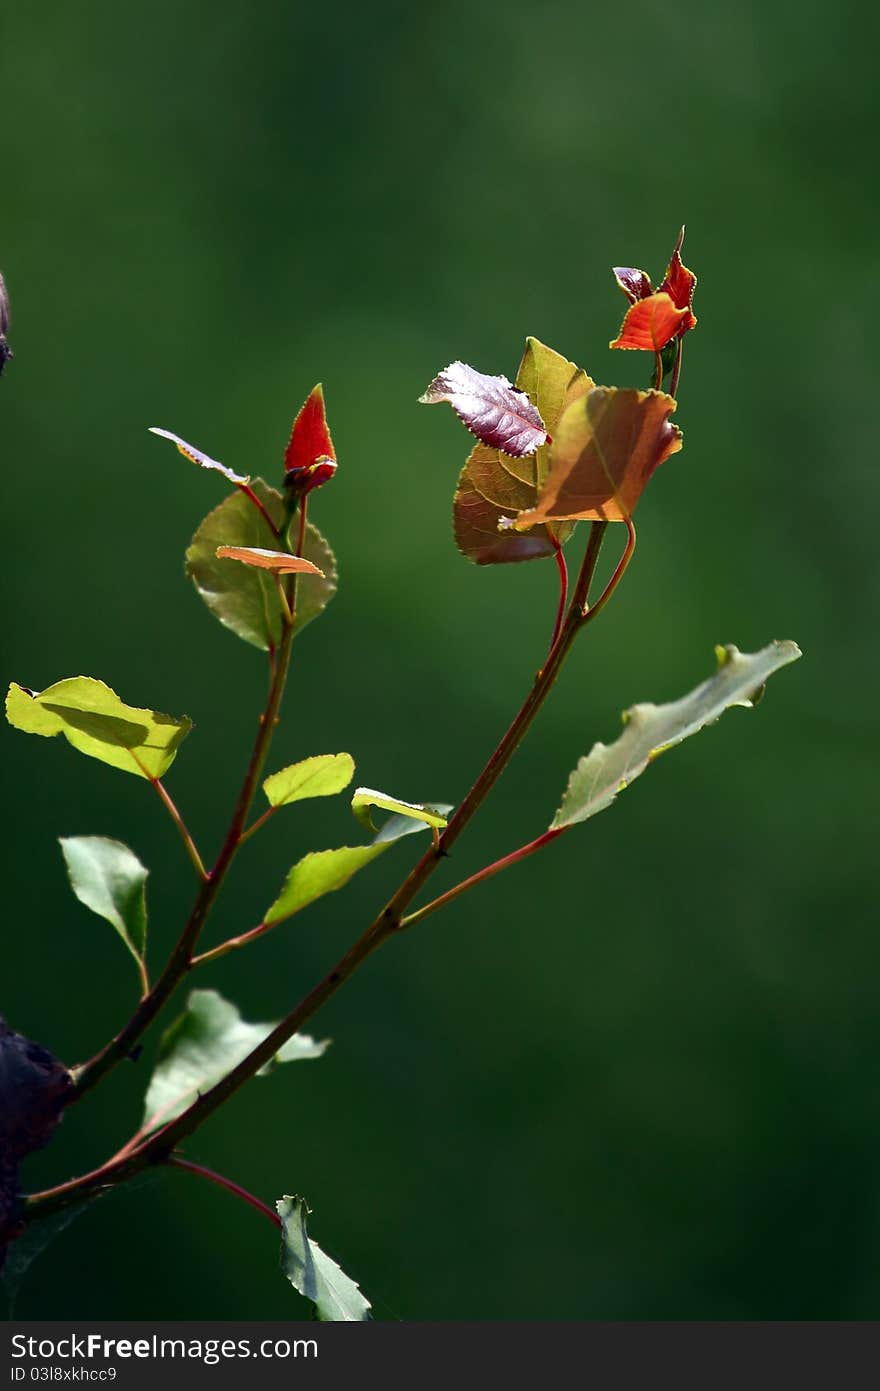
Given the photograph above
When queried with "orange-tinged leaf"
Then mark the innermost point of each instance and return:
(679, 283)
(505, 490)
(310, 437)
(651, 323)
(278, 561)
(606, 448)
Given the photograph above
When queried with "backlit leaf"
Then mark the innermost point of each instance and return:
(196, 456)
(243, 598)
(651, 729)
(494, 487)
(310, 1270)
(635, 284)
(490, 407)
(606, 447)
(96, 722)
(680, 283)
(204, 1044)
(110, 880)
(310, 437)
(279, 562)
(323, 775)
(365, 798)
(650, 324)
(318, 873)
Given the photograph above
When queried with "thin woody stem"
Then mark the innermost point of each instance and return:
(676, 369)
(233, 943)
(252, 497)
(563, 587)
(495, 868)
(176, 1162)
(180, 961)
(182, 827)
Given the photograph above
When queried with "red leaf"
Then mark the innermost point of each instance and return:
(278, 561)
(310, 438)
(635, 284)
(495, 412)
(679, 284)
(606, 447)
(651, 323)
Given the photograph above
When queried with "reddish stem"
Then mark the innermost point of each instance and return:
(232, 944)
(563, 588)
(252, 497)
(676, 369)
(481, 874)
(222, 1182)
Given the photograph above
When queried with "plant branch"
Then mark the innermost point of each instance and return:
(180, 960)
(157, 1146)
(176, 1162)
(233, 943)
(563, 587)
(252, 497)
(495, 868)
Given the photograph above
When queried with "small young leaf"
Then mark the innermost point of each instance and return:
(490, 407)
(245, 599)
(399, 825)
(607, 446)
(202, 1046)
(318, 873)
(310, 1270)
(96, 722)
(279, 562)
(365, 798)
(310, 437)
(109, 878)
(323, 775)
(635, 284)
(680, 283)
(196, 456)
(651, 729)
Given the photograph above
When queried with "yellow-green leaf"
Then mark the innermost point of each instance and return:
(365, 798)
(95, 721)
(321, 776)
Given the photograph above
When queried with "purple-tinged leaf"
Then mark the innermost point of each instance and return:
(492, 409)
(635, 284)
(196, 456)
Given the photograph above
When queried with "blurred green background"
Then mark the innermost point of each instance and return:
(636, 1077)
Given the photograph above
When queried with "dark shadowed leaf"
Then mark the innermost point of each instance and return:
(651, 729)
(278, 562)
(475, 525)
(310, 437)
(243, 598)
(96, 722)
(323, 775)
(490, 407)
(34, 1089)
(196, 456)
(310, 1270)
(110, 880)
(202, 1046)
(606, 447)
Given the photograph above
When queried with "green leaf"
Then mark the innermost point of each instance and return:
(399, 825)
(94, 720)
(310, 1270)
(202, 1046)
(318, 873)
(109, 878)
(365, 798)
(245, 599)
(321, 776)
(651, 729)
